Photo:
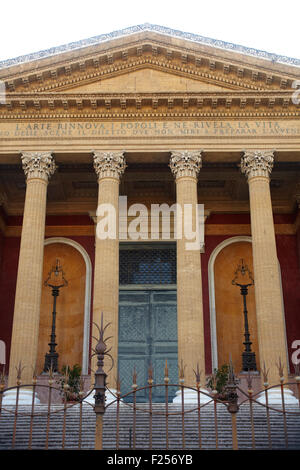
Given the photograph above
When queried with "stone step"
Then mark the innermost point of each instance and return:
(208, 434)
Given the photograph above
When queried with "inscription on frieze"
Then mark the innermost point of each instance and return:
(135, 129)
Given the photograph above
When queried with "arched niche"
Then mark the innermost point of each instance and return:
(73, 305)
(229, 318)
(241, 247)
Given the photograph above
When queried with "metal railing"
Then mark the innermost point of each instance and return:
(207, 423)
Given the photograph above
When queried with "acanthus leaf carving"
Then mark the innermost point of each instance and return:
(186, 163)
(38, 165)
(109, 164)
(257, 163)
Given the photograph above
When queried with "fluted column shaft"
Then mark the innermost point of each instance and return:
(185, 166)
(38, 167)
(109, 167)
(257, 165)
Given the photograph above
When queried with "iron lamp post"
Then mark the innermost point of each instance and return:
(241, 276)
(56, 280)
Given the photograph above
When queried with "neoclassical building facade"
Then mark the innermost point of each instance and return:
(139, 118)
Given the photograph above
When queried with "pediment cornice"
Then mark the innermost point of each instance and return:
(229, 70)
(148, 30)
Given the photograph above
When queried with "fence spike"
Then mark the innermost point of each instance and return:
(150, 374)
(280, 368)
(19, 370)
(50, 371)
(118, 383)
(34, 376)
(134, 378)
(166, 371)
(249, 381)
(181, 371)
(197, 373)
(265, 373)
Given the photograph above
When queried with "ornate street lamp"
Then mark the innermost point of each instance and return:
(56, 280)
(244, 279)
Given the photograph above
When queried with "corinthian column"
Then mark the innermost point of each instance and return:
(109, 167)
(185, 166)
(257, 166)
(38, 167)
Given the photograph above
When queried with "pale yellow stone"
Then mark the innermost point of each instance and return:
(25, 332)
(189, 280)
(269, 304)
(106, 274)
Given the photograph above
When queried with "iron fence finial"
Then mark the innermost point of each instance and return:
(34, 375)
(249, 381)
(265, 373)
(197, 373)
(19, 369)
(134, 378)
(166, 371)
(280, 368)
(150, 374)
(231, 389)
(181, 371)
(118, 383)
(101, 351)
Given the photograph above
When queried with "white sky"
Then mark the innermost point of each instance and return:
(31, 25)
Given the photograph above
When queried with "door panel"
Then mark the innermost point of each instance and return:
(148, 335)
(134, 317)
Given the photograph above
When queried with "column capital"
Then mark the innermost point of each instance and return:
(186, 163)
(38, 165)
(109, 164)
(257, 163)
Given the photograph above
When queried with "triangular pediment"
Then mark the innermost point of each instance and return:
(147, 80)
(146, 71)
(215, 65)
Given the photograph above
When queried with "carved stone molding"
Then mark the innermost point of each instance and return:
(257, 163)
(186, 163)
(38, 165)
(109, 164)
(93, 104)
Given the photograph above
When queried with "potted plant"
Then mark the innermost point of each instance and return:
(218, 381)
(71, 377)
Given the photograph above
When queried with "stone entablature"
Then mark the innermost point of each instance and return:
(151, 105)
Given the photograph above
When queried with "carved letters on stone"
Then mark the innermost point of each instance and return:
(109, 164)
(38, 165)
(186, 163)
(257, 163)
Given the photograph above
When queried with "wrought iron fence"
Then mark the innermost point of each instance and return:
(209, 423)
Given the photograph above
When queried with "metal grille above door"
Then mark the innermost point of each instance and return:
(148, 265)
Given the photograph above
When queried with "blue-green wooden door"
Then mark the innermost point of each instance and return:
(148, 335)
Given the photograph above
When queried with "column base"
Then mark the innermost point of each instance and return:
(274, 397)
(25, 398)
(191, 397)
(109, 397)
